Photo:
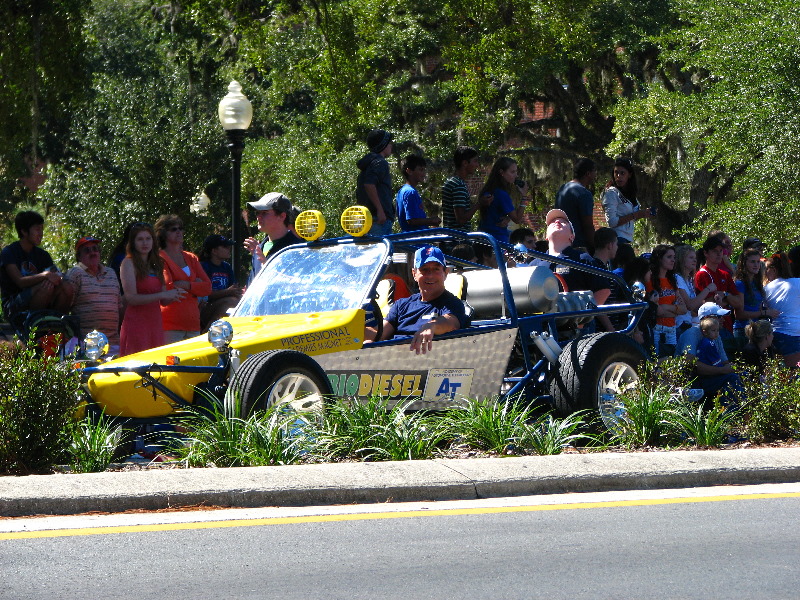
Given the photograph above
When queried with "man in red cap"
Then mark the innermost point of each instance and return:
(97, 301)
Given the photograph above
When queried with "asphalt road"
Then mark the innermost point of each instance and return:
(692, 543)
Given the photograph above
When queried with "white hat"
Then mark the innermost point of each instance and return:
(273, 201)
(557, 213)
(711, 309)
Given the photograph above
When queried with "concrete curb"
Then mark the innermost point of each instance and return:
(346, 483)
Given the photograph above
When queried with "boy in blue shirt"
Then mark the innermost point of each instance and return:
(410, 211)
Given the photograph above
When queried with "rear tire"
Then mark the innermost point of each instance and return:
(593, 371)
(268, 378)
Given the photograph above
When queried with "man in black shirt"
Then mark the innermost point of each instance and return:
(28, 278)
(560, 236)
(273, 212)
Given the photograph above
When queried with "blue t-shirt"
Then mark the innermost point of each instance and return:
(689, 342)
(752, 302)
(221, 276)
(409, 206)
(707, 353)
(497, 211)
(407, 315)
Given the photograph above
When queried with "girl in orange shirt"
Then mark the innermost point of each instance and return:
(670, 299)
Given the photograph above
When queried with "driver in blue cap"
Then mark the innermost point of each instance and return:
(433, 311)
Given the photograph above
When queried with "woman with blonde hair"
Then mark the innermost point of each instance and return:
(685, 269)
(142, 277)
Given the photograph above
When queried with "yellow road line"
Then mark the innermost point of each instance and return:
(19, 535)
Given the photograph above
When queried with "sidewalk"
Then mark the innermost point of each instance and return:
(348, 483)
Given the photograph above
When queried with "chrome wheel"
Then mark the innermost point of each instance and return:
(616, 378)
(297, 390)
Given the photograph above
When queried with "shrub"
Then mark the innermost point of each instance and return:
(773, 403)
(38, 399)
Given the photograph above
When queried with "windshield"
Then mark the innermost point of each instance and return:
(305, 280)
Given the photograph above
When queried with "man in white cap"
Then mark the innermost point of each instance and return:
(712, 379)
(273, 213)
(560, 236)
(433, 311)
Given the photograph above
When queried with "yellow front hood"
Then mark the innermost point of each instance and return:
(313, 334)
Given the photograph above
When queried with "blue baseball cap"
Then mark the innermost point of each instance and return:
(428, 254)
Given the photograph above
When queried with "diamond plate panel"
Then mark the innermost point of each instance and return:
(478, 361)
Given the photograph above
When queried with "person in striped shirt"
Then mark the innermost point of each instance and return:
(97, 301)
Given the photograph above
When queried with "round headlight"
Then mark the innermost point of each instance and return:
(220, 335)
(356, 220)
(95, 345)
(310, 225)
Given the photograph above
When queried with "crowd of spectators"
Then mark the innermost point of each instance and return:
(710, 301)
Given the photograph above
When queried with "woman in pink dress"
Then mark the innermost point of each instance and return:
(142, 276)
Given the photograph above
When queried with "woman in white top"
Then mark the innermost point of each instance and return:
(783, 294)
(685, 268)
(619, 201)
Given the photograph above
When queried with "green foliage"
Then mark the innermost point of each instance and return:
(313, 176)
(549, 435)
(408, 436)
(773, 403)
(94, 443)
(38, 399)
(707, 428)
(145, 143)
(644, 422)
(373, 431)
(221, 437)
(723, 117)
(41, 73)
(489, 425)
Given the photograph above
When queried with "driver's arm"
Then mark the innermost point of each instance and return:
(371, 333)
(423, 339)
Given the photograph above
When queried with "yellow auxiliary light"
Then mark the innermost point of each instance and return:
(356, 220)
(310, 225)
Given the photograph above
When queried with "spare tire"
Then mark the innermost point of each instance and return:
(593, 370)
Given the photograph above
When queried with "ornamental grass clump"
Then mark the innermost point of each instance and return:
(373, 430)
(219, 436)
(645, 419)
(39, 397)
(94, 443)
(549, 435)
(703, 428)
(489, 425)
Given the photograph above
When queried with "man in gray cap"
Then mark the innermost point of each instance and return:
(273, 213)
(374, 187)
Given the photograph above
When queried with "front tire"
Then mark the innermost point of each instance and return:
(593, 371)
(277, 376)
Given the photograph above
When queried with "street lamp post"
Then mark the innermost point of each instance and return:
(235, 114)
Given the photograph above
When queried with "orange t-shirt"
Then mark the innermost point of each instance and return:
(667, 295)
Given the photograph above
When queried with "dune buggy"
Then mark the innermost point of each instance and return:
(297, 336)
